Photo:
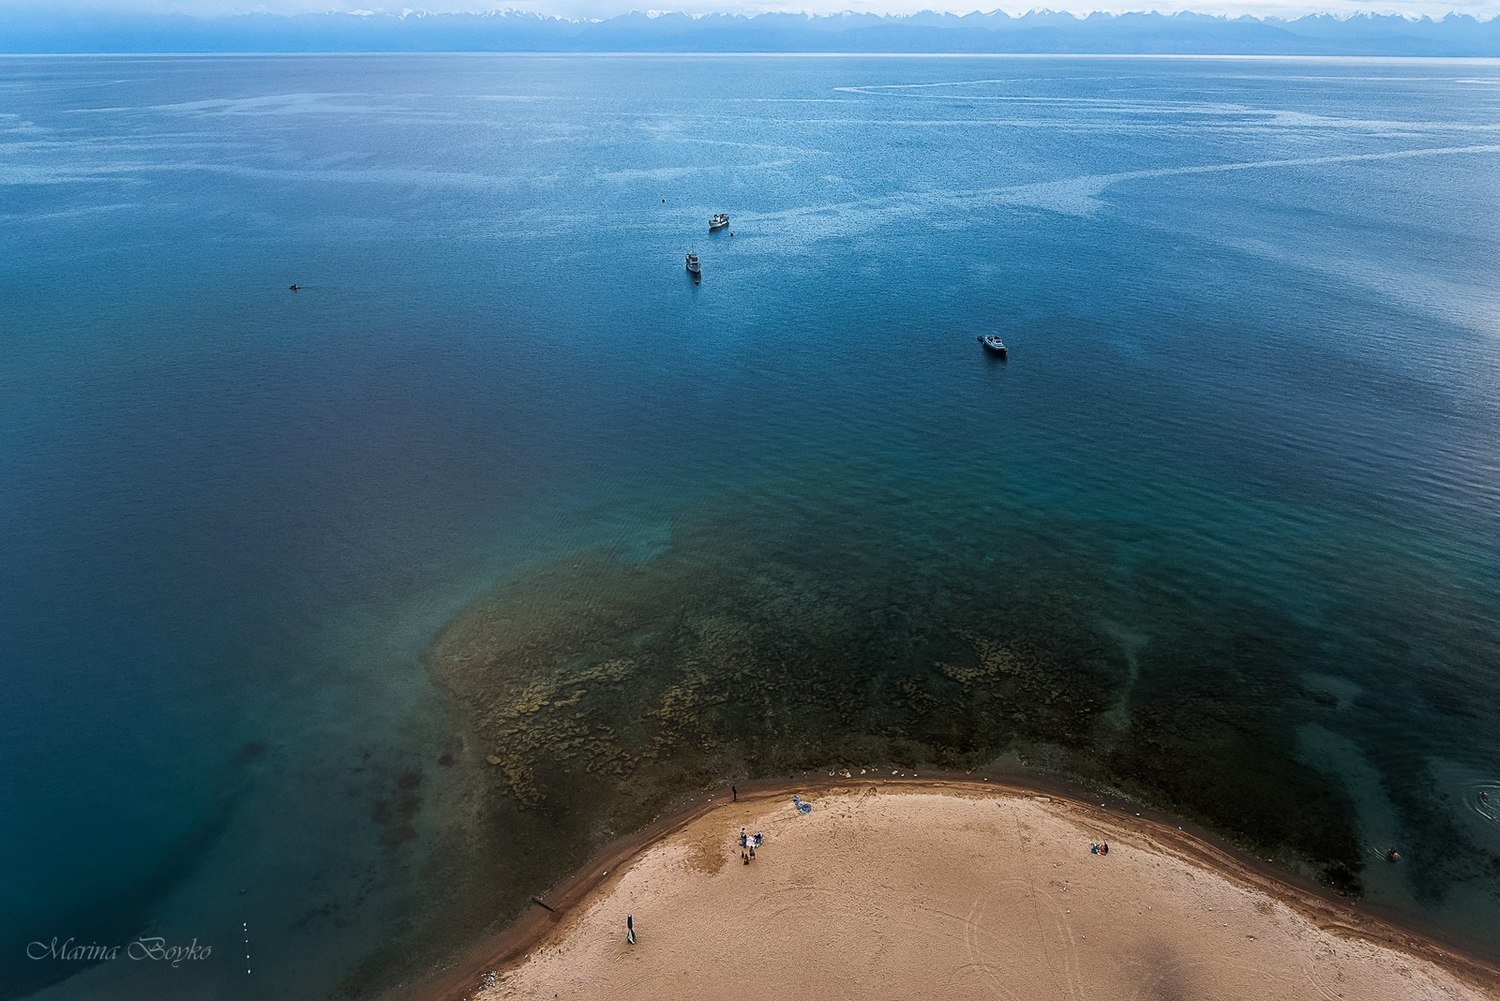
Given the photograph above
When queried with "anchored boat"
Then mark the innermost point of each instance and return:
(993, 344)
(693, 267)
(719, 221)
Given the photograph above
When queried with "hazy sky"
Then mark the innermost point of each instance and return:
(605, 8)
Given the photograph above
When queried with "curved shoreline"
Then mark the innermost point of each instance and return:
(508, 948)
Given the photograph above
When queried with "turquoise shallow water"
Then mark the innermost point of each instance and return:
(1246, 443)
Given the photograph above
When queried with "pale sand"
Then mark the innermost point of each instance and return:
(957, 891)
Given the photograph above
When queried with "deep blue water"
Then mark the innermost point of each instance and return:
(1254, 307)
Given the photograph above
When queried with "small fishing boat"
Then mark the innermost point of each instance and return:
(993, 344)
(693, 267)
(294, 288)
(719, 221)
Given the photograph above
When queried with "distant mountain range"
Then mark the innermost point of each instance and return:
(510, 31)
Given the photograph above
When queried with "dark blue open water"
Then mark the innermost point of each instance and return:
(1248, 439)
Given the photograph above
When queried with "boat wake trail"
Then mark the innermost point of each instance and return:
(1073, 196)
(1483, 798)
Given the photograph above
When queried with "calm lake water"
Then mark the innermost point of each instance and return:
(1223, 532)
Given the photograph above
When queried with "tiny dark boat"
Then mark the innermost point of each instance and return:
(719, 221)
(993, 344)
(693, 267)
(294, 288)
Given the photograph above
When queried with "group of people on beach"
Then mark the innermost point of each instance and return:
(748, 844)
(1098, 847)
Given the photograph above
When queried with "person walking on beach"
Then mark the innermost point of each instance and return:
(734, 794)
(630, 929)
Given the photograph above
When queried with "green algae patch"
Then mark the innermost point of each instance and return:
(600, 691)
(731, 656)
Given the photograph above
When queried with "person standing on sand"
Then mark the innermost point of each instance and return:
(630, 929)
(734, 794)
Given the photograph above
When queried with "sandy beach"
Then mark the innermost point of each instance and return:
(953, 890)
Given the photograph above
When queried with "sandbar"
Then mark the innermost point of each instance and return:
(953, 890)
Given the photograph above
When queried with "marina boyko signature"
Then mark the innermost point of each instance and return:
(152, 948)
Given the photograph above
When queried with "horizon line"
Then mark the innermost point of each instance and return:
(407, 12)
